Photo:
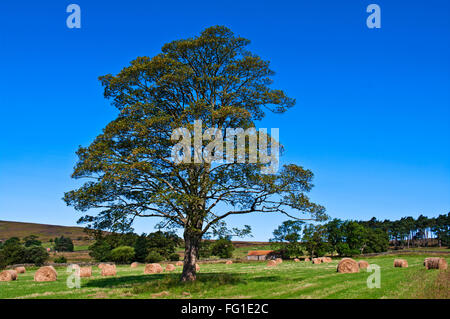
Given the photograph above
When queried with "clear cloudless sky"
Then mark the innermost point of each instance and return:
(373, 105)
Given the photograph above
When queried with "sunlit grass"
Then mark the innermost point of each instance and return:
(244, 280)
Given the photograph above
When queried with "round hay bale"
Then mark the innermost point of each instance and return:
(8, 275)
(179, 263)
(317, 261)
(102, 265)
(279, 260)
(197, 267)
(153, 269)
(85, 271)
(296, 260)
(400, 263)
(272, 263)
(228, 262)
(435, 263)
(20, 270)
(307, 259)
(325, 259)
(109, 270)
(347, 265)
(362, 264)
(46, 273)
(134, 265)
(170, 267)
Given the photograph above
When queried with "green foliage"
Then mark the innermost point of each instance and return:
(162, 242)
(122, 254)
(204, 250)
(153, 257)
(60, 260)
(286, 240)
(222, 248)
(349, 238)
(63, 244)
(37, 255)
(377, 241)
(441, 227)
(12, 241)
(32, 240)
(14, 252)
(174, 257)
(100, 250)
(214, 78)
(315, 240)
(141, 248)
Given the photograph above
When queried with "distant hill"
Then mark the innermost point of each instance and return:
(45, 232)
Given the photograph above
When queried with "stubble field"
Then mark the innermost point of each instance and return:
(244, 280)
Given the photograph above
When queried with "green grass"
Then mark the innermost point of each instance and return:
(437, 249)
(245, 280)
(80, 247)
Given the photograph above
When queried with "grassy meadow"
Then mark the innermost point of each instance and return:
(245, 280)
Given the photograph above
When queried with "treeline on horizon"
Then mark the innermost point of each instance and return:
(294, 238)
(411, 232)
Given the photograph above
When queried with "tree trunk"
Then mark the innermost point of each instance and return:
(192, 242)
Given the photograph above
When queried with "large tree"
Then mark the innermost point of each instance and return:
(130, 167)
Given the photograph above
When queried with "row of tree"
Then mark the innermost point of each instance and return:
(410, 232)
(347, 238)
(128, 247)
(30, 250)
(154, 247)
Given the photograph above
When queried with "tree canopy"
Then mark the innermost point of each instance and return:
(130, 169)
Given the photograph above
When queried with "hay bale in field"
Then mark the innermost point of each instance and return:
(362, 264)
(109, 270)
(347, 265)
(228, 262)
(400, 263)
(197, 267)
(8, 275)
(46, 273)
(317, 261)
(179, 263)
(296, 260)
(325, 259)
(307, 259)
(170, 267)
(435, 263)
(153, 269)
(134, 265)
(100, 266)
(272, 263)
(20, 270)
(85, 271)
(279, 260)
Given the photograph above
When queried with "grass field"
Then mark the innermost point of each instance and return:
(245, 280)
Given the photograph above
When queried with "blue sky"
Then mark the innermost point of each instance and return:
(373, 105)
